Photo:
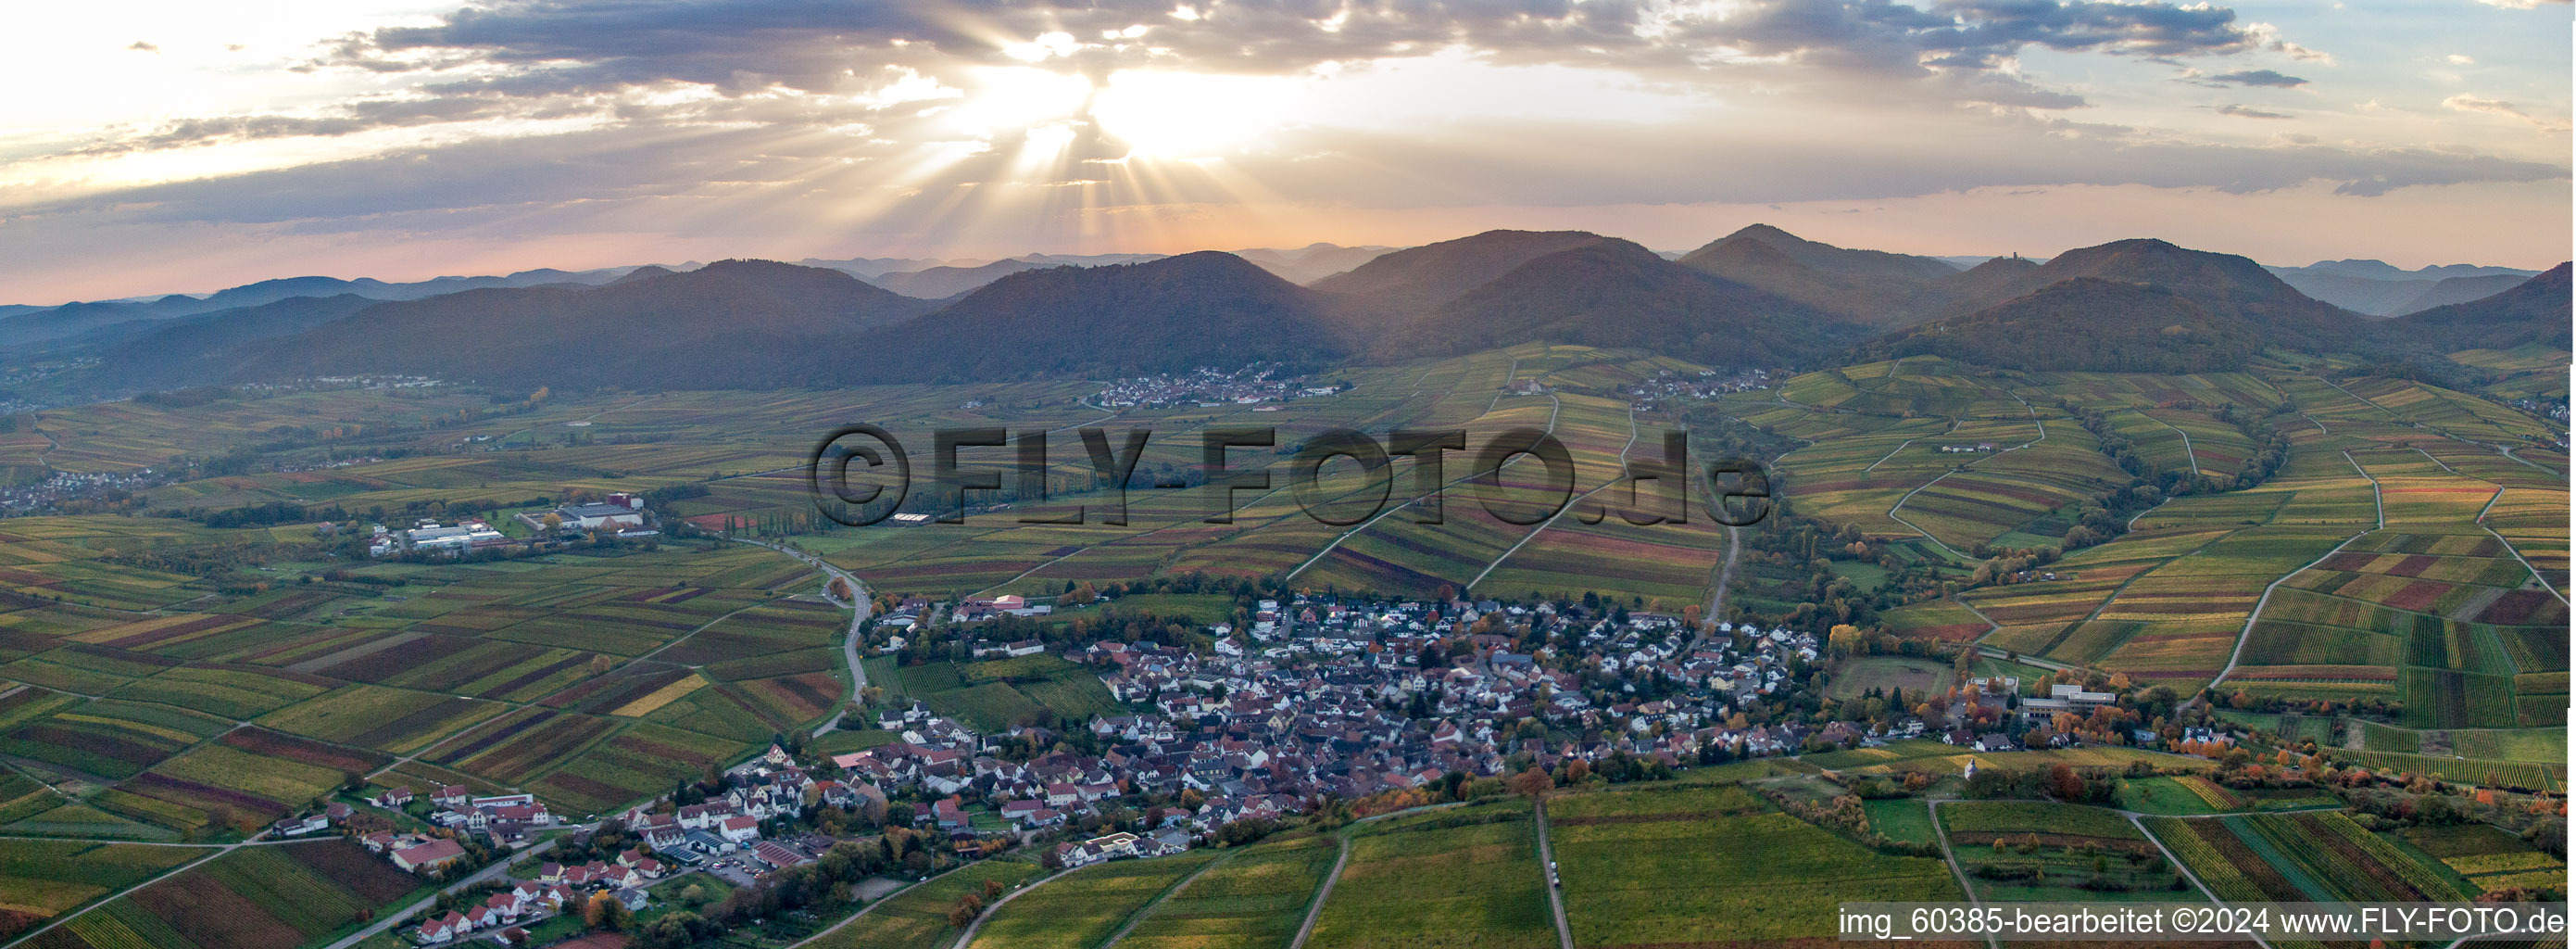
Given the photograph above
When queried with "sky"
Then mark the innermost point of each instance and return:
(167, 146)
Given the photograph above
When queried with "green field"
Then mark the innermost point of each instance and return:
(1256, 899)
(1655, 865)
(2057, 852)
(1902, 818)
(1467, 877)
(1080, 909)
(917, 918)
(2309, 857)
(276, 897)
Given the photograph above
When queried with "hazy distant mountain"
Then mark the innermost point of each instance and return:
(1611, 292)
(2223, 284)
(2535, 311)
(936, 283)
(72, 319)
(1312, 262)
(207, 347)
(2382, 270)
(734, 323)
(1400, 286)
(2086, 324)
(870, 268)
(2452, 290)
(2375, 288)
(1176, 313)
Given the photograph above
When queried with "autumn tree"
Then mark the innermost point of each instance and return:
(1533, 783)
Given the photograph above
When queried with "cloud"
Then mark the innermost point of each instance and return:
(2250, 113)
(2519, 4)
(740, 45)
(2465, 102)
(2258, 77)
(2458, 59)
(141, 46)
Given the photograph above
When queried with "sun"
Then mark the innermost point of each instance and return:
(1177, 115)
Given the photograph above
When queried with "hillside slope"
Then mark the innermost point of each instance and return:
(1177, 313)
(2087, 324)
(1616, 293)
(735, 323)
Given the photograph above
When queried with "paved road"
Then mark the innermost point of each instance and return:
(1555, 896)
(860, 609)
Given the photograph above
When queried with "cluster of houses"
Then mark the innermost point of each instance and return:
(63, 486)
(1323, 696)
(1647, 394)
(1316, 696)
(504, 915)
(1208, 388)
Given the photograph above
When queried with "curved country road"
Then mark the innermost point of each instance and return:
(858, 620)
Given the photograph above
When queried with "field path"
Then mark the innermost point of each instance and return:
(864, 910)
(1315, 909)
(1382, 515)
(2364, 401)
(1138, 917)
(2188, 456)
(2035, 422)
(2252, 617)
(2491, 532)
(1183, 522)
(1725, 575)
(385, 921)
(859, 609)
(971, 928)
(2185, 870)
(1942, 834)
(1615, 478)
(2378, 502)
(1546, 864)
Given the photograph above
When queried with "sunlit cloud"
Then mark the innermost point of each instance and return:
(957, 127)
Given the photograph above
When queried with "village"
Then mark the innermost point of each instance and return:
(1208, 388)
(1647, 395)
(1313, 699)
